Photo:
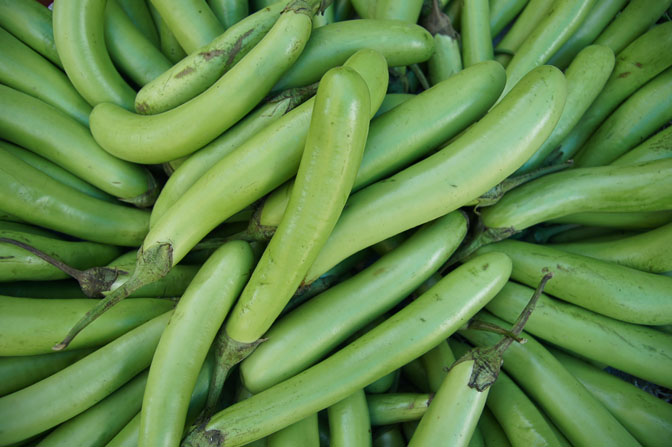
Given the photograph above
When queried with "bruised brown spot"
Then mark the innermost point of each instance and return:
(237, 46)
(142, 108)
(638, 64)
(207, 55)
(380, 271)
(485, 267)
(561, 268)
(625, 74)
(185, 72)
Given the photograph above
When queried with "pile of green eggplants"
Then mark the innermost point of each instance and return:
(346, 223)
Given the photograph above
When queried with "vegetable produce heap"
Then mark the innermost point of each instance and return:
(335, 222)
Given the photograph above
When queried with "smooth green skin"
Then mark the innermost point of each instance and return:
(648, 418)
(437, 363)
(229, 12)
(459, 347)
(431, 318)
(570, 233)
(343, 10)
(484, 155)
(349, 424)
(41, 200)
(198, 71)
(383, 384)
(335, 143)
(172, 285)
(42, 289)
(303, 433)
(31, 23)
(70, 391)
(264, 441)
(629, 188)
(475, 28)
(641, 115)
(408, 10)
(404, 135)
(192, 22)
(186, 128)
(389, 437)
(31, 326)
(198, 163)
(185, 343)
(26, 70)
(521, 28)
(18, 372)
(135, 55)
(100, 423)
(80, 41)
(453, 10)
(477, 439)
(275, 204)
(502, 12)
(366, 9)
(558, 394)
(649, 251)
(633, 21)
(18, 264)
(391, 101)
(54, 171)
(29, 229)
(446, 60)
(260, 165)
(625, 220)
(599, 17)
(586, 77)
(563, 19)
(654, 148)
(169, 44)
(256, 5)
(340, 311)
(142, 19)
(638, 63)
(400, 42)
(170, 166)
(635, 349)
(452, 417)
(51, 133)
(519, 418)
(393, 408)
(7, 217)
(492, 432)
(129, 435)
(610, 289)
(415, 372)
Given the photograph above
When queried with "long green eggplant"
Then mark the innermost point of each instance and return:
(484, 155)
(430, 318)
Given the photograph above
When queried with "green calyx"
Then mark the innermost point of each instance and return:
(153, 264)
